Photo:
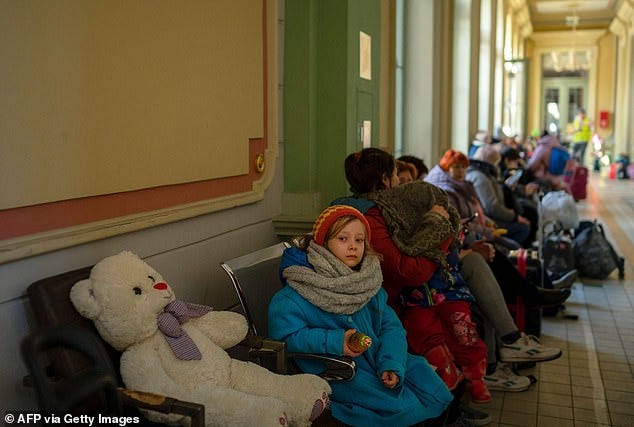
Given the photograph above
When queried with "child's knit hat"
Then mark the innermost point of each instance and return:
(325, 220)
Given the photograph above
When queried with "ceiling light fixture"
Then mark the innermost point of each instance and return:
(572, 60)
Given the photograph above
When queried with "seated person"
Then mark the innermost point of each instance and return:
(483, 174)
(421, 168)
(372, 170)
(406, 172)
(449, 175)
(538, 164)
(519, 192)
(333, 289)
(434, 301)
(480, 139)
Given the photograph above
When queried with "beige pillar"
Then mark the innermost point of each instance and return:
(417, 78)
(623, 106)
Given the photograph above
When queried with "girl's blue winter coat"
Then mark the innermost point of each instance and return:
(363, 401)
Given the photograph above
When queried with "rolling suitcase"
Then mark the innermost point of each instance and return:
(577, 178)
(527, 320)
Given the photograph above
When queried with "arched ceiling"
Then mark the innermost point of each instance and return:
(556, 15)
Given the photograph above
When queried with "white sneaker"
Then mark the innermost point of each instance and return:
(527, 349)
(504, 379)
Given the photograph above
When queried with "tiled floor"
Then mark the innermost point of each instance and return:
(592, 384)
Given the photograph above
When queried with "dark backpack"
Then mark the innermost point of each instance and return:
(559, 157)
(594, 255)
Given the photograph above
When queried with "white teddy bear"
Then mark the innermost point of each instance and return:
(175, 349)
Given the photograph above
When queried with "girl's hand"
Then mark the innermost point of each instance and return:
(390, 379)
(440, 211)
(346, 350)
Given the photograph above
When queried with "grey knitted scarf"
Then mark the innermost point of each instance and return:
(333, 286)
(413, 227)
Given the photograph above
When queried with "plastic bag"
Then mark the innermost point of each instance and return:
(560, 206)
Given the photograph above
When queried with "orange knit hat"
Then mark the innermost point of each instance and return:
(325, 220)
(452, 156)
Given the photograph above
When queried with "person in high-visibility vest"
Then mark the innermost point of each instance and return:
(581, 136)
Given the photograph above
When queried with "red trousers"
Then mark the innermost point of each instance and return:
(446, 323)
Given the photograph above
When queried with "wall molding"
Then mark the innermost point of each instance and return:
(38, 243)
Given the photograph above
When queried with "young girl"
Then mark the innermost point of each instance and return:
(333, 289)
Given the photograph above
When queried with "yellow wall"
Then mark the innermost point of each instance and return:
(101, 97)
(531, 119)
(606, 82)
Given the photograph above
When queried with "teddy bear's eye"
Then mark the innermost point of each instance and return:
(151, 278)
(137, 290)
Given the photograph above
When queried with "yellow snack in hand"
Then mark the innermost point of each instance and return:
(500, 231)
(359, 342)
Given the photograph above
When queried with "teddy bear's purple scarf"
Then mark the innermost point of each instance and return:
(169, 322)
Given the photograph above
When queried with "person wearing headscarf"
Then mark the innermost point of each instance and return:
(483, 173)
(449, 175)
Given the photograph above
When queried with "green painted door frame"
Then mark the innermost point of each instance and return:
(326, 100)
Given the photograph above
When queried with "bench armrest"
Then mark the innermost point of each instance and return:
(163, 404)
(261, 349)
